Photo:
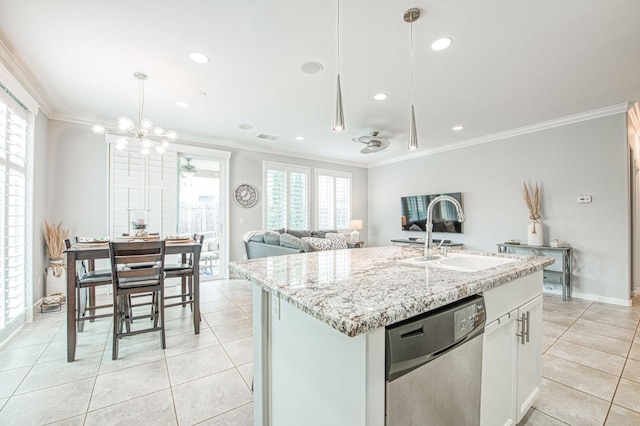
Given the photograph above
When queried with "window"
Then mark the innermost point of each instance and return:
(286, 196)
(16, 204)
(333, 194)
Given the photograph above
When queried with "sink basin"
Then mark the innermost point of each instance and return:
(461, 262)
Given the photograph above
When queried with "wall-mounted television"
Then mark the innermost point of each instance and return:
(413, 213)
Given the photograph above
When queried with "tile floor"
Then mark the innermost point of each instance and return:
(199, 379)
(590, 364)
(591, 368)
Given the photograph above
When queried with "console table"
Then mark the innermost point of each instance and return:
(420, 242)
(551, 277)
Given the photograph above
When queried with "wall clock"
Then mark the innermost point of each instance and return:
(246, 195)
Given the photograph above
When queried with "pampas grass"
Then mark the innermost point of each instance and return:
(54, 236)
(533, 204)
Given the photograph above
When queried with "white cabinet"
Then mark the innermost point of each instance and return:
(511, 360)
(499, 369)
(511, 365)
(529, 354)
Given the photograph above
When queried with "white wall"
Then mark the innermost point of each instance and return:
(587, 158)
(40, 166)
(78, 176)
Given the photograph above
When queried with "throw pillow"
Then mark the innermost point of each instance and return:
(318, 244)
(287, 240)
(338, 241)
(322, 233)
(272, 237)
(259, 238)
(299, 233)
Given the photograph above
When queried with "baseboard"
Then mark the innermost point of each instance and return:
(557, 290)
(602, 299)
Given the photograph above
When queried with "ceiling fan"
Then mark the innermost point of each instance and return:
(188, 170)
(374, 143)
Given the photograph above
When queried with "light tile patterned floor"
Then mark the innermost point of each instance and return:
(591, 368)
(590, 364)
(198, 379)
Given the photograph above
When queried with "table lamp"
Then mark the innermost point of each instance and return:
(355, 224)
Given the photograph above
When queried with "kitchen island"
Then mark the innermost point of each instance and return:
(319, 321)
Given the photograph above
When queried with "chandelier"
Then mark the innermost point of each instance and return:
(148, 135)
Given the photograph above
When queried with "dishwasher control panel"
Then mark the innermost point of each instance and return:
(466, 319)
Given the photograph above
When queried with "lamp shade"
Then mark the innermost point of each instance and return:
(355, 224)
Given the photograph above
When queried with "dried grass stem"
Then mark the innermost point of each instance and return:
(54, 236)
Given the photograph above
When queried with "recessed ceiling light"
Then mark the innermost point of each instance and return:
(299, 138)
(380, 96)
(457, 128)
(441, 43)
(245, 126)
(311, 67)
(182, 104)
(199, 58)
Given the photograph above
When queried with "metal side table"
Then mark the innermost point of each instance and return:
(551, 277)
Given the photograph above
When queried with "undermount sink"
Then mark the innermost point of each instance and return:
(461, 262)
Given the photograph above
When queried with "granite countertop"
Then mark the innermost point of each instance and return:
(357, 291)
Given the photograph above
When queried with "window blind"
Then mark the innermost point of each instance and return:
(333, 199)
(15, 203)
(286, 196)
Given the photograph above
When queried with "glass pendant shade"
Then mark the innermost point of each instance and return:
(338, 124)
(413, 134)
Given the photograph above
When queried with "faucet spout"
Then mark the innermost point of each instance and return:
(428, 243)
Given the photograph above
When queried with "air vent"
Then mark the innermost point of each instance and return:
(267, 137)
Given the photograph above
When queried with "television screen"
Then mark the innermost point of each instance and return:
(413, 210)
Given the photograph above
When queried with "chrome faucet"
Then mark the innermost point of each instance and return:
(428, 244)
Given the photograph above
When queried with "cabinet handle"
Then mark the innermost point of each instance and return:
(528, 326)
(523, 332)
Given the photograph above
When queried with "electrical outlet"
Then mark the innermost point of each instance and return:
(275, 306)
(583, 199)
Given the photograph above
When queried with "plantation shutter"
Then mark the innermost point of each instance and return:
(143, 182)
(16, 192)
(286, 196)
(333, 195)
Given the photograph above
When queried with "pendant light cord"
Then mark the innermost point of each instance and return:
(411, 56)
(338, 31)
(141, 104)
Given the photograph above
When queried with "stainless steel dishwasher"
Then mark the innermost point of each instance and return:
(434, 366)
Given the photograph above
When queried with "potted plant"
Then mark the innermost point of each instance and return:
(56, 277)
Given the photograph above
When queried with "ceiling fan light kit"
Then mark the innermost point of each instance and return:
(146, 134)
(374, 143)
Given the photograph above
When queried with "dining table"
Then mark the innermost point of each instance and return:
(100, 250)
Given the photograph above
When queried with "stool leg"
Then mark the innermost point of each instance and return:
(92, 302)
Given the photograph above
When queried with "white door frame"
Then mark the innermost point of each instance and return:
(223, 157)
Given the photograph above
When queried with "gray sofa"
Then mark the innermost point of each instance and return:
(257, 249)
(282, 242)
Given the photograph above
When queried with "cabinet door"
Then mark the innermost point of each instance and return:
(529, 356)
(499, 367)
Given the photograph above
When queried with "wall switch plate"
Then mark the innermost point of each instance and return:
(583, 199)
(275, 307)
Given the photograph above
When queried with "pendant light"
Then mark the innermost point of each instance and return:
(411, 16)
(338, 124)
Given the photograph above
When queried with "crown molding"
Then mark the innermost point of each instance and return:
(24, 79)
(544, 125)
(190, 138)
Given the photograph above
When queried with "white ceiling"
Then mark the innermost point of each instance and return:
(512, 63)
